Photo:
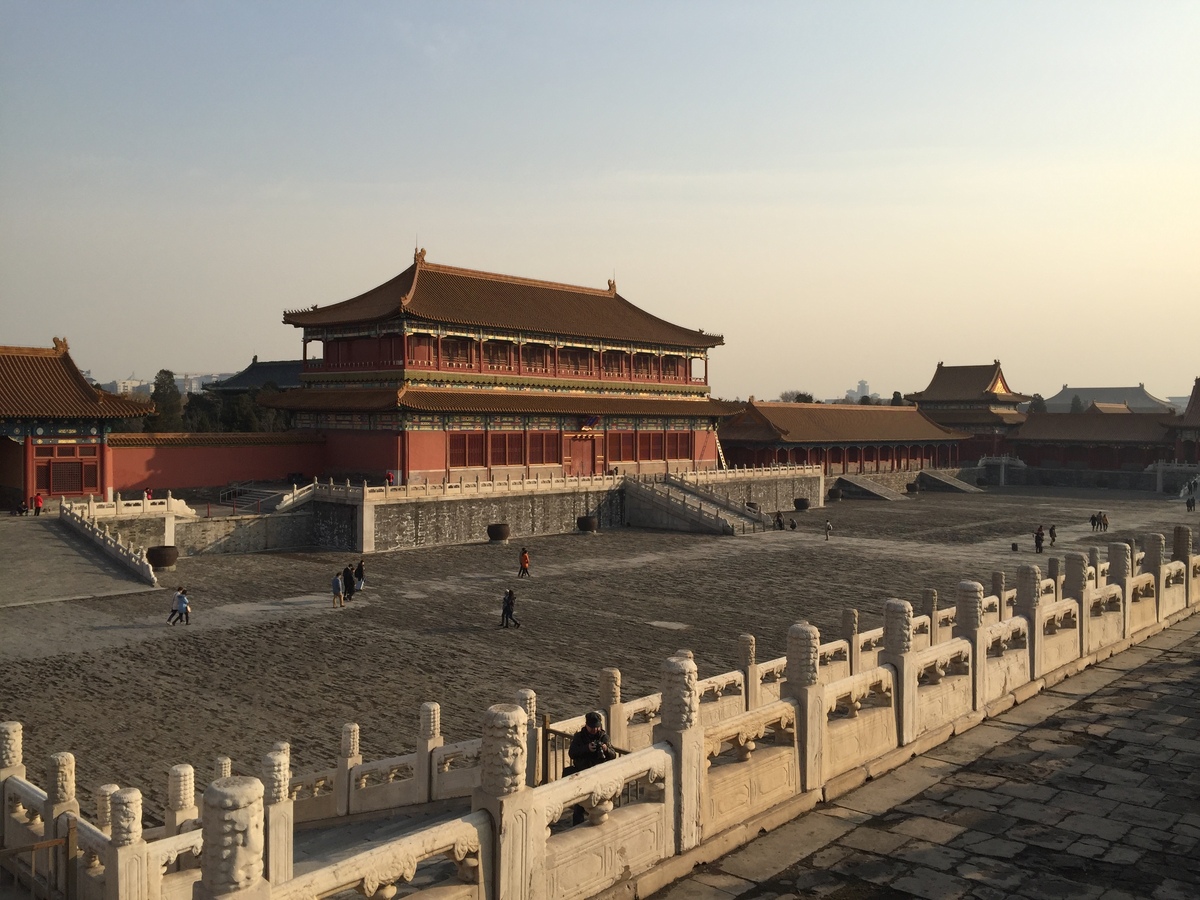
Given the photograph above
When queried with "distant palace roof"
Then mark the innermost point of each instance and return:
(283, 373)
(979, 384)
(44, 383)
(1138, 399)
(483, 300)
(1081, 428)
(435, 400)
(826, 423)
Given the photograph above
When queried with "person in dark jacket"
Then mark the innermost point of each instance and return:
(509, 607)
(348, 583)
(589, 747)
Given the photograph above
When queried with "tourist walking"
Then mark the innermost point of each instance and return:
(523, 570)
(506, 613)
(1053, 535)
(175, 601)
(389, 478)
(37, 503)
(1095, 520)
(590, 746)
(348, 583)
(779, 521)
(339, 599)
(828, 529)
(1103, 521)
(1039, 538)
(360, 576)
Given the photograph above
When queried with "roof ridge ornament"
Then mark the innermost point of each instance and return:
(60, 345)
(419, 256)
(612, 285)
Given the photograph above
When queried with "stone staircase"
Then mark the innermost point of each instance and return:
(744, 519)
(669, 507)
(861, 487)
(932, 480)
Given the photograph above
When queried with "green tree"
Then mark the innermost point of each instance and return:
(897, 398)
(865, 400)
(1076, 404)
(1037, 404)
(168, 405)
(796, 397)
(202, 413)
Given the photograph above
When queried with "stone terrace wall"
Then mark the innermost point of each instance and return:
(416, 523)
(223, 534)
(773, 493)
(1037, 476)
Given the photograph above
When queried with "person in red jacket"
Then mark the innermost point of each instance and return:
(37, 503)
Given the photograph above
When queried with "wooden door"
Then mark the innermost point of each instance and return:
(583, 456)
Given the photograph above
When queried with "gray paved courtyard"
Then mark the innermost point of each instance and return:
(266, 657)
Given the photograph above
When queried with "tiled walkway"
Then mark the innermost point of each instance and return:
(1090, 790)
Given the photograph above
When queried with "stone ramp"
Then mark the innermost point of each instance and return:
(859, 486)
(939, 481)
(46, 562)
(665, 506)
(743, 519)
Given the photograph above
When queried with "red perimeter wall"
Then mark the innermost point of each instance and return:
(176, 467)
(364, 453)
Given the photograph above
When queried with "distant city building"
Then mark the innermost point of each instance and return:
(1136, 398)
(855, 395)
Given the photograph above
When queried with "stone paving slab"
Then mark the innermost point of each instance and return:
(1002, 811)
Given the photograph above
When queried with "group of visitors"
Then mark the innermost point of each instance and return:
(181, 608)
(346, 582)
(1099, 521)
(508, 603)
(1039, 538)
(35, 503)
(779, 522)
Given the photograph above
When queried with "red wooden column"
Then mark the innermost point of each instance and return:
(106, 470)
(30, 470)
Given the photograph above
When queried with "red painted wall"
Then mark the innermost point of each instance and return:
(178, 467)
(369, 453)
(427, 451)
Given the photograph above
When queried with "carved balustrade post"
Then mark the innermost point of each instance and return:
(1076, 587)
(751, 675)
(897, 653)
(125, 869)
(1155, 546)
(680, 726)
(614, 707)
(104, 817)
(1120, 572)
(968, 615)
(850, 636)
(222, 767)
(803, 686)
(1055, 573)
(520, 824)
(181, 799)
(527, 700)
(11, 763)
(429, 738)
(348, 757)
(929, 607)
(231, 866)
(60, 799)
(998, 589)
(278, 817)
(1029, 602)
(1182, 552)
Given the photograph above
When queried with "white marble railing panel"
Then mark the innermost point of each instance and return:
(463, 840)
(1143, 604)
(161, 855)
(991, 609)
(860, 720)
(583, 862)
(721, 696)
(384, 784)
(1173, 594)
(869, 645)
(944, 688)
(1106, 625)
(833, 661)
(456, 770)
(922, 632)
(1006, 657)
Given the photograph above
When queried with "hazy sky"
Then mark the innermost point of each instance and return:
(843, 190)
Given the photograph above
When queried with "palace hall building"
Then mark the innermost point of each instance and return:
(976, 400)
(843, 439)
(54, 425)
(445, 373)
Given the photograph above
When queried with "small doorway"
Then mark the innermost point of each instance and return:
(583, 456)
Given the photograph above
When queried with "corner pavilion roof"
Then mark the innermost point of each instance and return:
(1191, 415)
(828, 423)
(978, 384)
(435, 400)
(1138, 399)
(45, 383)
(484, 300)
